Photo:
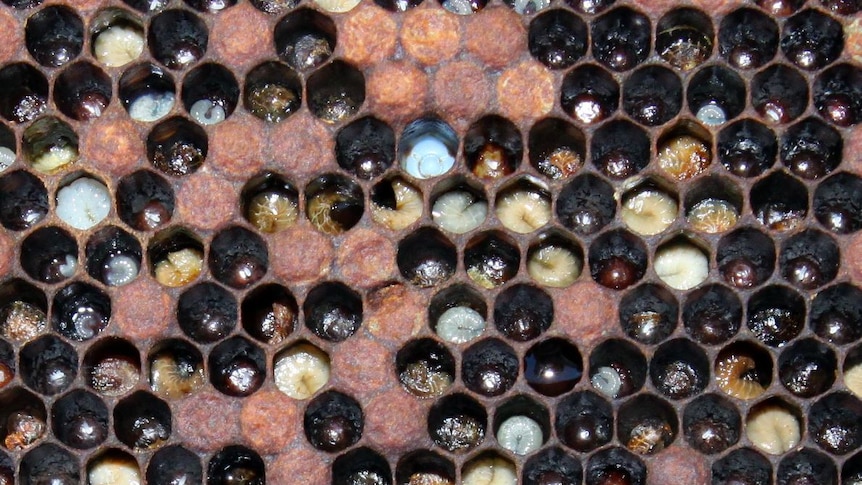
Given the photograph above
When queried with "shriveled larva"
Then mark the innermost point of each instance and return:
(333, 212)
(428, 478)
(460, 324)
(853, 379)
(712, 216)
(773, 429)
(649, 436)
(560, 164)
(523, 211)
(684, 157)
(423, 381)
(649, 212)
(23, 428)
(174, 377)
(459, 211)
(301, 371)
(492, 162)
(407, 209)
(489, 470)
(272, 212)
(114, 376)
(520, 435)
(607, 381)
(114, 470)
(554, 266)
(179, 268)
(733, 375)
(21, 322)
(120, 270)
(459, 433)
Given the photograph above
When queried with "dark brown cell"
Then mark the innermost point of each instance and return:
(584, 421)
(711, 424)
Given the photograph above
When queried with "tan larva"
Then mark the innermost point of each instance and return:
(523, 211)
(773, 429)
(272, 212)
(649, 437)
(684, 157)
(179, 268)
(22, 322)
(427, 478)
(408, 207)
(649, 212)
(853, 379)
(712, 216)
(730, 375)
(554, 266)
(172, 381)
(422, 381)
(561, 163)
(23, 429)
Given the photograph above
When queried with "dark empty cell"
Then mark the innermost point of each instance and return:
(834, 424)
(333, 421)
(552, 466)
(269, 202)
(49, 463)
(838, 94)
(142, 421)
(335, 91)
(716, 95)
(333, 311)
(807, 368)
(557, 38)
(361, 466)
(811, 39)
(747, 38)
(617, 368)
(648, 313)
(236, 464)
(684, 38)
(838, 203)
(237, 367)
(210, 6)
(207, 312)
(23, 92)
(23, 200)
(836, 314)
(269, 313)
(175, 465)
(491, 259)
(523, 312)
(177, 146)
(177, 38)
(112, 366)
(679, 369)
(80, 420)
(584, 421)
(238, 257)
(22, 4)
(780, 8)
(557, 149)
(49, 255)
(272, 92)
(50, 145)
(742, 466)
(712, 314)
(618, 259)
(147, 92)
(145, 200)
(646, 424)
(210, 93)
(586, 204)
(305, 39)
(48, 365)
(493, 147)
(711, 424)
(620, 149)
(425, 368)
(147, 6)
(426, 257)
(334, 203)
(811, 149)
(423, 466)
(457, 423)
(807, 466)
(652, 95)
(615, 465)
(747, 148)
(743, 370)
(589, 94)
(779, 201)
(365, 148)
(7, 473)
(851, 472)
(113, 256)
(776, 315)
(54, 36)
(779, 94)
(621, 38)
(427, 148)
(489, 367)
(82, 91)
(398, 5)
(553, 367)
(809, 259)
(745, 258)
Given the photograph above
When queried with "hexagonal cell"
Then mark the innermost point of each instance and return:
(334, 203)
(836, 94)
(270, 313)
(335, 92)
(210, 93)
(147, 92)
(747, 148)
(713, 204)
(684, 151)
(396, 204)
(552, 465)
(776, 315)
(333, 421)
(425, 368)
(835, 314)
(649, 208)
(712, 314)
(555, 260)
(305, 39)
(493, 147)
(479, 468)
(365, 147)
(82, 91)
(716, 95)
(491, 259)
(113, 256)
(116, 37)
(617, 368)
(424, 467)
(50, 145)
(175, 256)
(774, 426)
(80, 311)
(779, 201)
(621, 38)
(586, 204)
(177, 147)
(742, 465)
(54, 35)
(523, 312)
(648, 313)
(811, 149)
(836, 203)
(176, 369)
(684, 39)
(272, 92)
(779, 94)
(301, 370)
(270, 202)
(145, 200)
(238, 257)
(747, 38)
(646, 424)
(48, 365)
(852, 469)
(557, 149)
(809, 259)
(618, 259)
(557, 38)
(553, 366)
(589, 94)
(80, 420)
(457, 423)
(780, 8)
(177, 38)
(458, 206)
(521, 425)
(807, 465)
(457, 314)
(24, 419)
(614, 465)
(23, 312)
(236, 461)
(112, 466)
(333, 311)
(361, 465)
(426, 257)
(584, 421)
(679, 369)
(112, 366)
(142, 421)
(237, 367)
(833, 423)
(49, 463)
(489, 367)
(811, 39)
(711, 424)
(174, 464)
(807, 368)
(82, 201)
(427, 148)
(24, 95)
(745, 258)
(743, 370)
(652, 95)
(207, 313)
(620, 149)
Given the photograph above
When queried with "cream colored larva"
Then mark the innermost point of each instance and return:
(523, 211)
(408, 207)
(118, 45)
(460, 324)
(649, 212)
(681, 266)
(773, 429)
(459, 211)
(555, 266)
(489, 470)
(114, 470)
(301, 371)
(853, 379)
(179, 268)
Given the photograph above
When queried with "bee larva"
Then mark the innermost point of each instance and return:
(560, 164)
(853, 379)
(649, 212)
(272, 212)
(523, 211)
(459, 211)
(554, 266)
(174, 377)
(422, 381)
(489, 470)
(179, 268)
(649, 437)
(401, 212)
(712, 216)
(733, 375)
(681, 266)
(773, 429)
(684, 157)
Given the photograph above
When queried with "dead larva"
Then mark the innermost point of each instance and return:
(681, 265)
(173, 377)
(459, 433)
(460, 324)
(114, 470)
(179, 268)
(114, 376)
(272, 212)
(459, 211)
(523, 211)
(560, 164)
(712, 216)
(732, 374)
(684, 157)
(301, 371)
(21, 322)
(649, 437)
(422, 381)
(489, 470)
(320, 211)
(520, 435)
(649, 212)
(428, 478)
(407, 210)
(554, 266)
(607, 381)
(773, 429)
(853, 379)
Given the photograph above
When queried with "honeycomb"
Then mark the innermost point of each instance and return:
(359, 242)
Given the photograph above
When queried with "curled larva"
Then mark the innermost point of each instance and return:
(489, 470)
(272, 212)
(428, 478)
(732, 374)
(459, 211)
(460, 324)
(118, 45)
(554, 266)
(407, 207)
(649, 212)
(523, 211)
(301, 371)
(422, 381)
(607, 381)
(853, 379)
(520, 435)
(712, 216)
(179, 268)
(119, 469)
(173, 377)
(773, 429)
(684, 157)
(649, 437)
(681, 265)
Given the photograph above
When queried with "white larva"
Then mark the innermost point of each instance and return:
(7, 158)
(607, 381)
(520, 435)
(523, 211)
(773, 430)
(55, 158)
(118, 45)
(151, 106)
(83, 203)
(120, 270)
(711, 114)
(69, 267)
(206, 112)
(649, 212)
(460, 324)
(408, 207)
(489, 470)
(114, 470)
(554, 266)
(681, 266)
(301, 371)
(428, 158)
(459, 211)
